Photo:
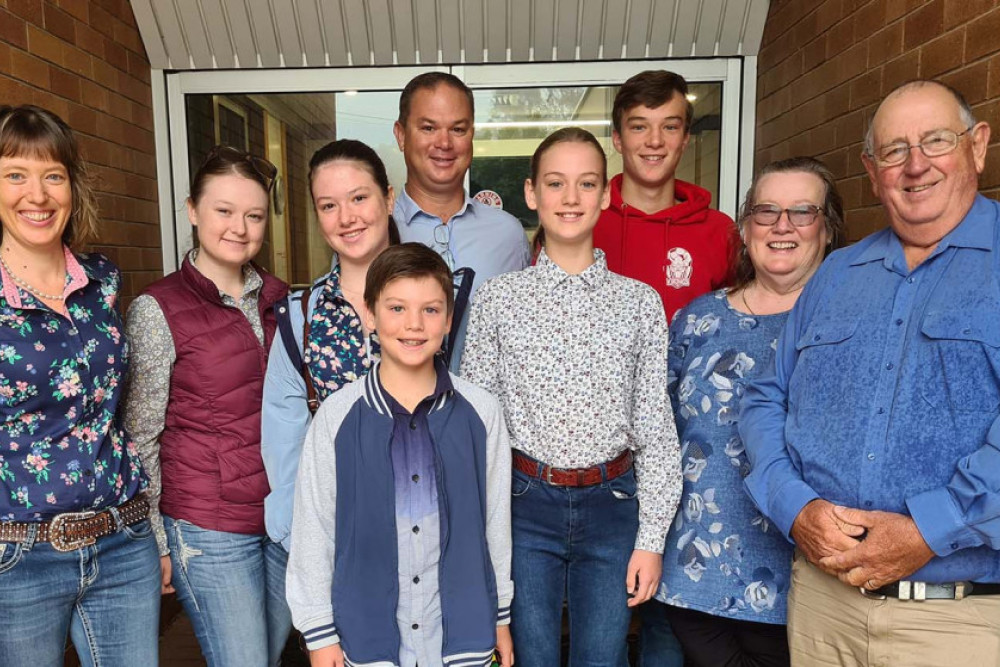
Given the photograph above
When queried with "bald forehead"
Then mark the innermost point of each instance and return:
(923, 102)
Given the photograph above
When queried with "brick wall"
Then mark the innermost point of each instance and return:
(85, 61)
(824, 66)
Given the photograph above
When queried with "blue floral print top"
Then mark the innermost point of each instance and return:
(722, 556)
(62, 446)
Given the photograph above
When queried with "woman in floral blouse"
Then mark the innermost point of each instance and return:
(353, 199)
(200, 338)
(726, 569)
(577, 355)
(77, 554)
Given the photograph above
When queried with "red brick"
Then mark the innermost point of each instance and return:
(116, 54)
(95, 96)
(60, 24)
(900, 70)
(44, 45)
(128, 37)
(990, 178)
(840, 37)
(868, 18)
(885, 45)
(972, 82)
(989, 112)
(12, 30)
(943, 54)
(981, 36)
(894, 9)
(76, 60)
(866, 88)
(105, 74)
(29, 10)
(101, 21)
(133, 89)
(64, 84)
(850, 191)
(47, 100)
(89, 39)
(14, 92)
(923, 24)
(29, 69)
(994, 82)
(78, 8)
(828, 13)
(4, 57)
(960, 11)
(138, 66)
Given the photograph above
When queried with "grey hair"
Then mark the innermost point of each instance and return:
(964, 110)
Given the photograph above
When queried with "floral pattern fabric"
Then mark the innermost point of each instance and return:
(722, 556)
(62, 446)
(336, 352)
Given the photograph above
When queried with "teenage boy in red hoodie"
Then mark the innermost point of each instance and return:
(659, 229)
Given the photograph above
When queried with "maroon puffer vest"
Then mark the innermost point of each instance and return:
(212, 472)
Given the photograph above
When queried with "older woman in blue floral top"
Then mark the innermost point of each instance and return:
(726, 569)
(77, 554)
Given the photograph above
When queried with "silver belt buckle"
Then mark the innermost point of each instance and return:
(57, 532)
(872, 595)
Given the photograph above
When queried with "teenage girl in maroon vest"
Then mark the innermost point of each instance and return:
(200, 339)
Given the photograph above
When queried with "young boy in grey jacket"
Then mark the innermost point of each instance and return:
(401, 542)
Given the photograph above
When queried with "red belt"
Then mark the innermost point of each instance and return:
(573, 476)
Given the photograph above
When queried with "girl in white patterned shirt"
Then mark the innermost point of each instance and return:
(578, 357)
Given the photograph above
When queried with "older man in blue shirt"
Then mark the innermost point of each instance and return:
(434, 131)
(875, 442)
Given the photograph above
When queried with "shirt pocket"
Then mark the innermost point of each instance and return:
(823, 368)
(958, 360)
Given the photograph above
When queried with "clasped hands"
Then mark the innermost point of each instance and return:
(861, 548)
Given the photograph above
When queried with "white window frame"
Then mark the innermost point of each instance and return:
(737, 75)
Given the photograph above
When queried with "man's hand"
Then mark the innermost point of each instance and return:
(643, 577)
(893, 549)
(505, 646)
(328, 656)
(819, 532)
(166, 572)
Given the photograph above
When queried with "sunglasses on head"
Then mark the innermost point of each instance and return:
(262, 167)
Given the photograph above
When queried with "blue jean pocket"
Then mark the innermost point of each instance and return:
(520, 484)
(10, 555)
(139, 531)
(624, 486)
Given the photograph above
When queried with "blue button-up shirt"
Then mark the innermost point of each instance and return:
(418, 529)
(885, 395)
(62, 447)
(488, 240)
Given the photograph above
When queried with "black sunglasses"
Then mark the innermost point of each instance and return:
(264, 169)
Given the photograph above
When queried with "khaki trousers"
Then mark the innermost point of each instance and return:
(830, 623)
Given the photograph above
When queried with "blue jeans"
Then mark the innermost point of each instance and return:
(232, 587)
(105, 596)
(573, 544)
(658, 646)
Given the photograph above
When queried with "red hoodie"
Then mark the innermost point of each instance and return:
(682, 252)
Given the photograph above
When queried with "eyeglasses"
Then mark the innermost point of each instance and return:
(767, 215)
(442, 244)
(935, 144)
(264, 169)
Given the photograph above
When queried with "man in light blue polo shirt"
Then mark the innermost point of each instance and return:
(434, 131)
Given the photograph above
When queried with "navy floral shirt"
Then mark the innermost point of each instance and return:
(62, 447)
(723, 557)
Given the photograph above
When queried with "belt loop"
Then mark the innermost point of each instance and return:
(116, 515)
(604, 473)
(29, 539)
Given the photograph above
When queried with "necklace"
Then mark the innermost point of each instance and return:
(26, 287)
(743, 296)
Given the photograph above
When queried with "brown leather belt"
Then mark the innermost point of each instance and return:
(573, 476)
(73, 530)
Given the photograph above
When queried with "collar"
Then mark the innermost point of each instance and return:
(552, 275)
(409, 209)
(974, 231)
(76, 278)
(378, 398)
(252, 280)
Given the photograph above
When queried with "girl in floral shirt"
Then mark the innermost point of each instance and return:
(77, 554)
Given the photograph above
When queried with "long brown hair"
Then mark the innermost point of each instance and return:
(34, 132)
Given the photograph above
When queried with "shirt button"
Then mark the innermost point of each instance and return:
(413, 425)
(416, 529)
(966, 331)
(416, 478)
(881, 411)
(954, 545)
(416, 580)
(889, 366)
(817, 337)
(868, 503)
(871, 456)
(899, 321)
(910, 280)
(415, 626)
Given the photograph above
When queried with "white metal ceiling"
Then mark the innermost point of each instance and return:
(227, 34)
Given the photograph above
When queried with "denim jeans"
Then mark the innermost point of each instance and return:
(106, 596)
(658, 646)
(232, 587)
(573, 544)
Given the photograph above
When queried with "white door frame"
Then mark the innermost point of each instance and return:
(737, 75)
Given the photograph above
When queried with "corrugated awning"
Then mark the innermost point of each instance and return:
(228, 34)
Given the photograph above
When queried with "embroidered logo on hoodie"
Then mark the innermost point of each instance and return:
(680, 268)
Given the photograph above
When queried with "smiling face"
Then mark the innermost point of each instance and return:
(353, 213)
(436, 141)
(783, 252)
(925, 198)
(569, 192)
(411, 317)
(230, 218)
(36, 200)
(652, 142)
